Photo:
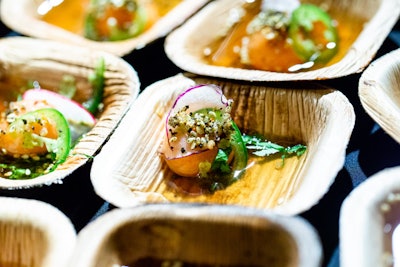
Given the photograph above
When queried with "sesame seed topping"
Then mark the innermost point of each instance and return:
(203, 128)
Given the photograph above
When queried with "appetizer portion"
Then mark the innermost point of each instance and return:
(41, 136)
(202, 139)
(105, 20)
(40, 127)
(276, 35)
(204, 143)
(114, 20)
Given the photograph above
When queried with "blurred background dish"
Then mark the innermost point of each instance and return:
(361, 26)
(28, 237)
(133, 172)
(68, 21)
(369, 222)
(379, 92)
(195, 234)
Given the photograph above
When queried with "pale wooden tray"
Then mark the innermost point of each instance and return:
(34, 233)
(209, 235)
(22, 17)
(24, 59)
(132, 172)
(185, 45)
(379, 92)
(368, 219)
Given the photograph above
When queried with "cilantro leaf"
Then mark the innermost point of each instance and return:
(263, 148)
(221, 162)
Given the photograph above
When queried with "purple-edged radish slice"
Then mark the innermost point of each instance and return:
(181, 158)
(74, 112)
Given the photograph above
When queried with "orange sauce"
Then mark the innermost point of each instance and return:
(162, 6)
(12, 264)
(3, 104)
(277, 55)
(266, 183)
(6, 96)
(70, 14)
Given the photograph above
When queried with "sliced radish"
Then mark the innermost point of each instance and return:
(196, 98)
(72, 110)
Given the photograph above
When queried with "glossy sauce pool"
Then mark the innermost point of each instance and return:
(70, 14)
(266, 184)
(225, 51)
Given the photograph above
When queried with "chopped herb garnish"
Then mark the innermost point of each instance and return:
(97, 81)
(25, 168)
(223, 172)
(262, 148)
(220, 162)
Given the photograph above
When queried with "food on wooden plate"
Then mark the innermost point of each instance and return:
(203, 142)
(114, 20)
(276, 35)
(105, 20)
(39, 128)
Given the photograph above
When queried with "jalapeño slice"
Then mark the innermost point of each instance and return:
(313, 33)
(30, 130)
(109, 21)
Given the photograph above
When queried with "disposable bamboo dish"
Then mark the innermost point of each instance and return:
(24, 59)
(369, 222)
(34, 233)
(22, 17)
(368, 24)
(379, 92)
(133, 172)
(196, 234)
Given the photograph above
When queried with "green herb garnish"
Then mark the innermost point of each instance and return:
(262, 148)
(220, 162)
(97, 81)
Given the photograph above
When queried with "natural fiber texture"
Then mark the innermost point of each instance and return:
(34, 234)
(322, 119)
(379, 92)
(224, 236)
(185, 46)
(21, 16)
(23, 59)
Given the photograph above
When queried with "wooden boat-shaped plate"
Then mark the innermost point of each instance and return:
(29, 238)
(22, 17)
(185, 46)
(130, 171)
(378, 90)
(225, 236)
(23, 59)
(369, 222)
